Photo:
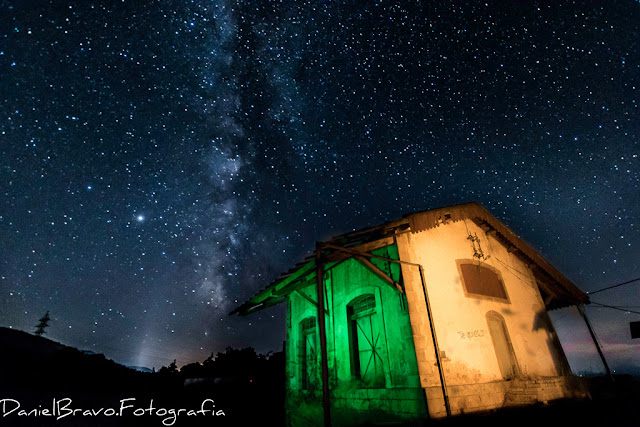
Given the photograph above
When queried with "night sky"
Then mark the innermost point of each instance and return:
(161, 161)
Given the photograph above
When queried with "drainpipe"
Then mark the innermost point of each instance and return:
(435, 342)
(326, 404)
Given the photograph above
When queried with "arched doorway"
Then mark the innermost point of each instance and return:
(502, 345)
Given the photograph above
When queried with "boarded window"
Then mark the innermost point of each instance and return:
(481, 280)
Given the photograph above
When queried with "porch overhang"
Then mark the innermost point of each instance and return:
(304, 274)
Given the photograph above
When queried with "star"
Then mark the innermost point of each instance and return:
(247, 135)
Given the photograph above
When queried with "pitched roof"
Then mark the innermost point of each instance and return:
(557, 290)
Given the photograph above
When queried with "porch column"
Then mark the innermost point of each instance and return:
(595, 340)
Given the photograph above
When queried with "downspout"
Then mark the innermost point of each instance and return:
(326, 404)
(435, 342)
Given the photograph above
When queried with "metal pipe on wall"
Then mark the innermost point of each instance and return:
(435, 343)
(326, 403)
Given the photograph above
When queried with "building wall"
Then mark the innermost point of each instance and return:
(473, 375)
(400, 396)
(470, 364)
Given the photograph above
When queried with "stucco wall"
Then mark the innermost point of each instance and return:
(460, 319)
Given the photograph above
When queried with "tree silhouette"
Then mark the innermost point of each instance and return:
(208, 361)
(43, 324)
(171, 369)
(192, 370)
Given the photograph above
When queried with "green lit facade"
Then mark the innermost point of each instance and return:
(373, 373)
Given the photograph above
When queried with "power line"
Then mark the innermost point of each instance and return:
(614, 286)
(615, 308)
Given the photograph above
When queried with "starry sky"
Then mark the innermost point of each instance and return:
(161, 161)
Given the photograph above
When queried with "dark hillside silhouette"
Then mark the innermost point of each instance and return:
(39, 363)
(247, 386)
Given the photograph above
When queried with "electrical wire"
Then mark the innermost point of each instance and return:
(614, 286)
(615, 308)
(516, 271)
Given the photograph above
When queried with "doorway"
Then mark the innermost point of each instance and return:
(502, 345)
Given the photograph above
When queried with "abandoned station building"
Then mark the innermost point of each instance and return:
(441, 312)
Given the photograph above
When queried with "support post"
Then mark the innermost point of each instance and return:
(326, 403)
(435, 343)
(595, 340)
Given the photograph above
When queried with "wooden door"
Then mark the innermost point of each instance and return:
(308, 354)
(369, 351)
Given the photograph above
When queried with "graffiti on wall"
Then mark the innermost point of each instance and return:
(470, 335)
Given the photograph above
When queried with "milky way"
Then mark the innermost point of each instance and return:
(162, 161)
